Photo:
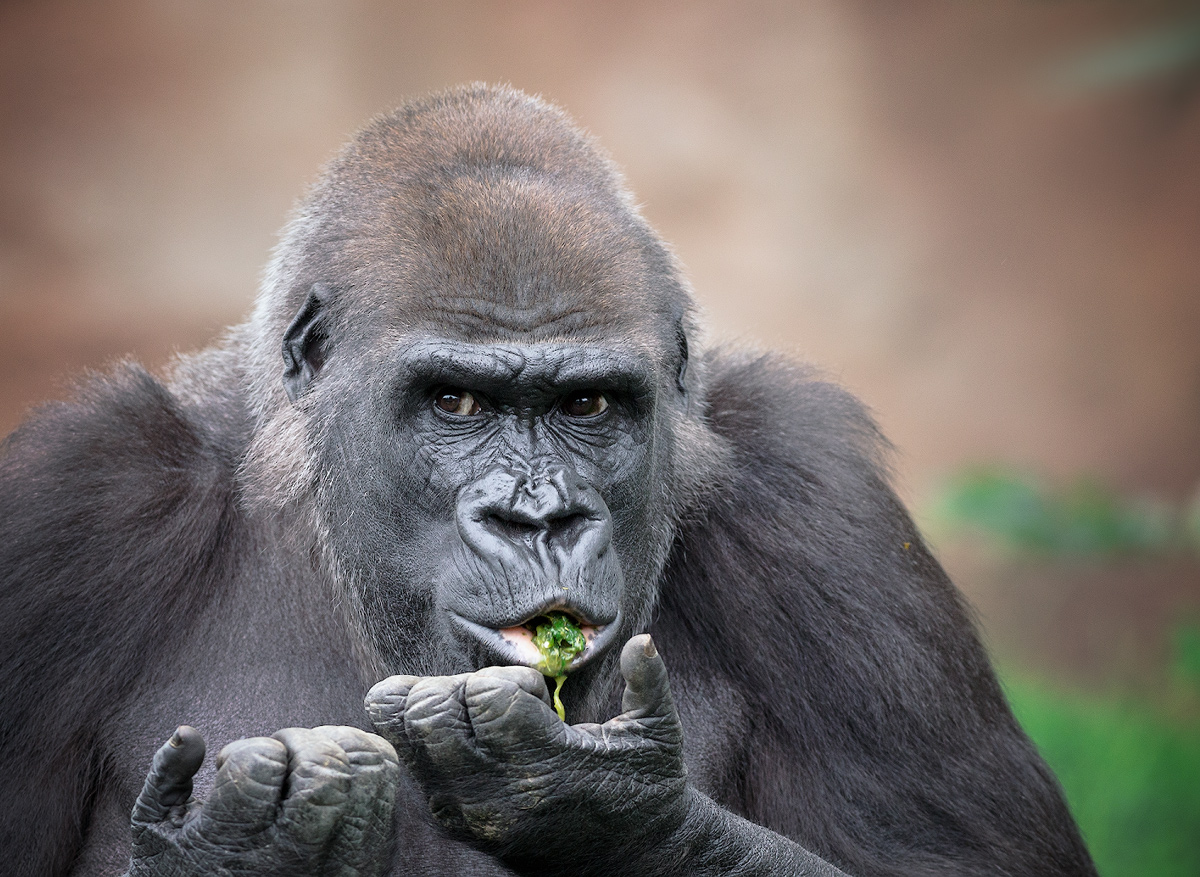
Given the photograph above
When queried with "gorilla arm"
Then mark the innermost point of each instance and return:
(502, 772)
(116, 539)
(114, 514)
(874, 732)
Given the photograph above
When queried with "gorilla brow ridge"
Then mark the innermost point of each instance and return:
(438, 361)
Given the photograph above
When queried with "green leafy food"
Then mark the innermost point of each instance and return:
(558, 639)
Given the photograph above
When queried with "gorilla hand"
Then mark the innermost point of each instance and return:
(502, 771)
(300, 802)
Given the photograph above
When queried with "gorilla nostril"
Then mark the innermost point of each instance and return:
(567, 527)
(512, 528)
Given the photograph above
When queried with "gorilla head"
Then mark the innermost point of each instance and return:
(485, 363)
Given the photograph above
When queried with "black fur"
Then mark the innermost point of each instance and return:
(803, 589)
(116, 526)
(806, 588)
(213, 548)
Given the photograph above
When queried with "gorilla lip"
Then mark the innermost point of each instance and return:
(514, 645)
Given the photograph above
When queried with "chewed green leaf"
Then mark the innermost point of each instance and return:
(558, 704)
(558, 640)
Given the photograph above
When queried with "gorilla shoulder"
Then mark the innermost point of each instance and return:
(116, 510)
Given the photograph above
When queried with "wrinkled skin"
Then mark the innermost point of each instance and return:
(295, 803)
(501, 771)
(498, 768)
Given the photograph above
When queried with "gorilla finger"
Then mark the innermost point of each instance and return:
(169, 782)
(647, 698)
(250, 779)
(438, 735)
(507, 718)
(414, 712)
(361, 747)
(526, 678)
(434, 707)
(318, 767)
(318, 784)
(374, 766)
(374, 775)
(385, 703)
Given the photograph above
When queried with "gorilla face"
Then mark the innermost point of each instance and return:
(537, 443)
(490, 364)
(493, 483)
(506, 481)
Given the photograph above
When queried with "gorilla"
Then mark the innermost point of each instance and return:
(472, 397)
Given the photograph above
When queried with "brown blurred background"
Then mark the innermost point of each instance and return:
(984, 218)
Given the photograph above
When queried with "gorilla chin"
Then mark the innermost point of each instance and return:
(473, 395)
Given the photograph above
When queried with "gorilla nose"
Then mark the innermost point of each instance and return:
(539, 504)
(546, 507)
(560, 526)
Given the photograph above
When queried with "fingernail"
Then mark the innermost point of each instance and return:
(649, 650)
(176, 739)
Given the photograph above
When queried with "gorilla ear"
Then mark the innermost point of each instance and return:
(681, 340)
(304, 343)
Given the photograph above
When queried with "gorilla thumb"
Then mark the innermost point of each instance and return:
(169, 783)
(647, 691)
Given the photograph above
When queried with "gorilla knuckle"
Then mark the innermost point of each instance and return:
(488, 696)
(360, 747)
(391, 691)
(319, 776)
(255, 758)
(525, 678)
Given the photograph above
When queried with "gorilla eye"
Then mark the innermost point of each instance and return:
(586, 404)
(457, 402)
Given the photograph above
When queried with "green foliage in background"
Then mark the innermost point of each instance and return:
(1082, 519)
(1169, 48)
(1130, 766)
(1130, 769)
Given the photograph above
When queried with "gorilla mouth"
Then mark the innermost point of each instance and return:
(514, 645)
(523, 636)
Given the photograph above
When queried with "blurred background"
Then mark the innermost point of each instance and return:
(983, 218)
